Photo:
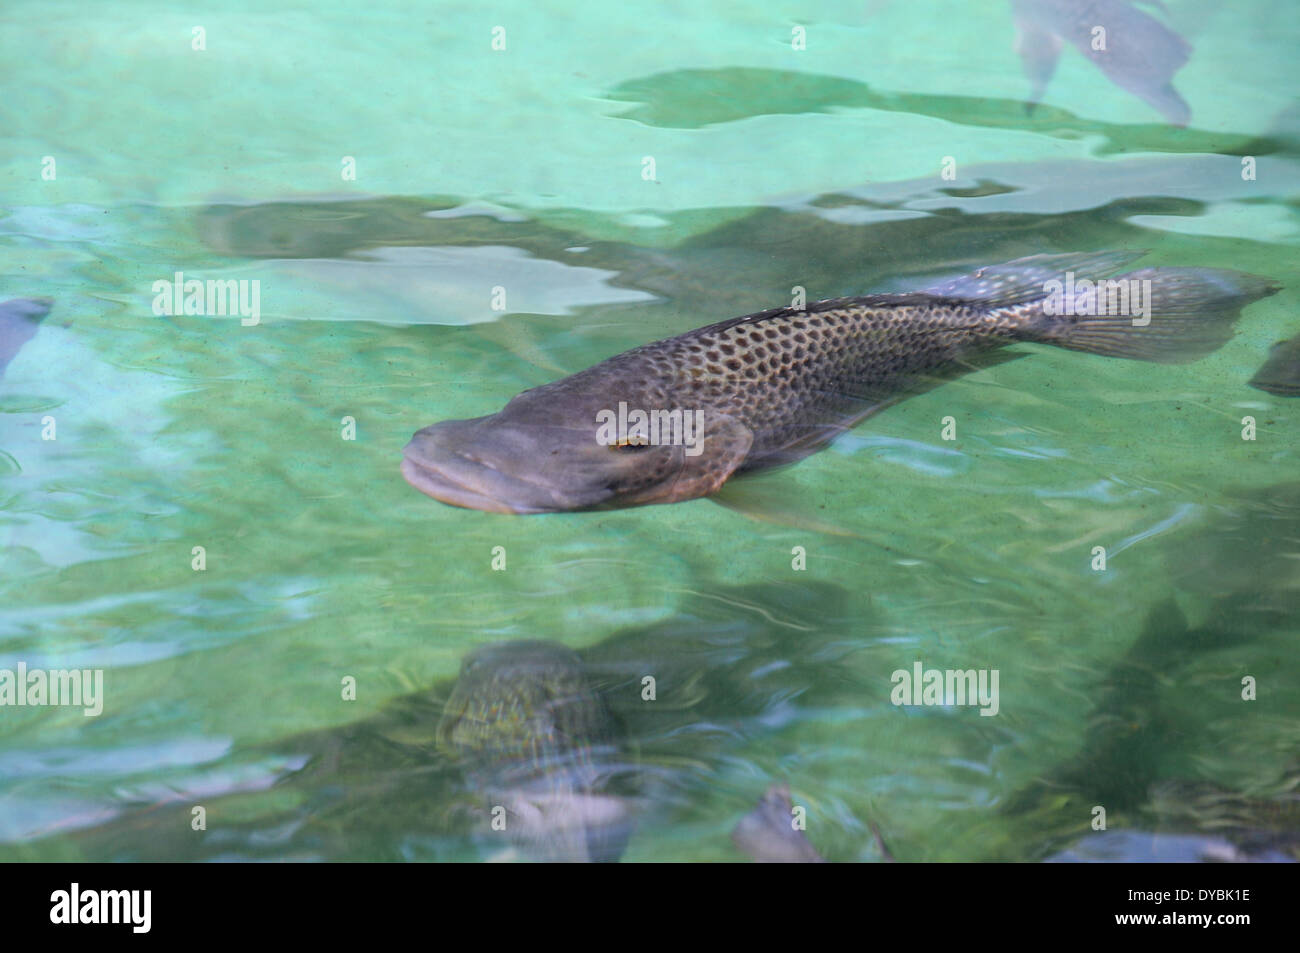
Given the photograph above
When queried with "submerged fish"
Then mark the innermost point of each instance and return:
(676, 419)
(1140, 54)
(19, 319)
(1280, 374)
(768, 835)
(1196, 821)
(1165, 847)
(538, 740)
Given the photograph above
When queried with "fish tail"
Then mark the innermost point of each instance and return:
(1164, 315)
(1076, 301)
(19, 318)
(1026, 279)
(1280, 374)
(30, 309)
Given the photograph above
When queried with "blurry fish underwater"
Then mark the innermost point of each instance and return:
(1140, 54)
(1280, 374)
(539, 741)
(771, 388)
(19, 320)
(767, 836)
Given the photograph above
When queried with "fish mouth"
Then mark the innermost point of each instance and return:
(437, 467)
(433, 483)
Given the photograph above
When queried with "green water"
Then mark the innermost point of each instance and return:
(522, 168)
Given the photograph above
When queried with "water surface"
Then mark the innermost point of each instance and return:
(522, 169)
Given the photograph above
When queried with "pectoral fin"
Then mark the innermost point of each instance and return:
(769, 499)
(722, 449)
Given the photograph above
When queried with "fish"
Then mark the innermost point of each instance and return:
(1136, 718)
(538, 740)
(771, 388)
(388, 788)
(1141, 54)
(767, 834)
(19, 320)
(1280, 374)
(1167, 847)
(1187, 820)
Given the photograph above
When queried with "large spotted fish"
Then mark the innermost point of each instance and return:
(676, 419)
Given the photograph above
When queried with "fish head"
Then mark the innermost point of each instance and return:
(510, 694)
(546, 454)
(527, 710)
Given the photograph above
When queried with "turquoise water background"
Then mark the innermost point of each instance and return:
(523, 168)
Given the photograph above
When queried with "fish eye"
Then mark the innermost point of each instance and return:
(631, 442)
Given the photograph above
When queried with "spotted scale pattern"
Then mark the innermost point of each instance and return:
(795, 378)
